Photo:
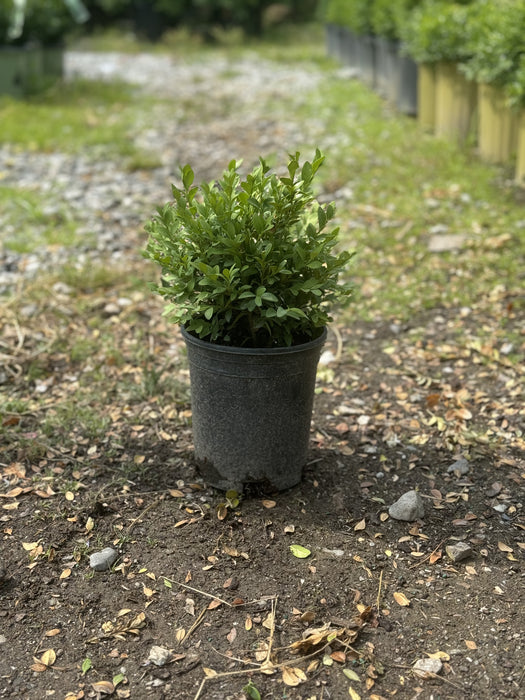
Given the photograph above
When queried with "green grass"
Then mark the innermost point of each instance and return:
(27, 224)
(91, 117)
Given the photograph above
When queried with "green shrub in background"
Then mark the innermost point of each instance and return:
(379, 17)
(5, 16)
(355, 15)
(437, 31)
(333, 11)
(496, 44)
(200, 15)
(382, 18)
(515, 88)
(45, 22)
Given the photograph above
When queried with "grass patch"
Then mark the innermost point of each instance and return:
(29, 223)
(80, 116)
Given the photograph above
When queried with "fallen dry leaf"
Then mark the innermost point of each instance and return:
(361, 525)
(401, 599)
(103, 687)
(48, 657)
(504, 547)
(441, 655)
(293, 676)
(435, 556)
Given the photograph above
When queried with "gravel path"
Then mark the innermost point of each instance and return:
(108, 203)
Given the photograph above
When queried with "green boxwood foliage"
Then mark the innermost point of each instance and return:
(388, 16)
(437, 31)
(496, 41)
(249, 262)
(355, 15)
(515, 88)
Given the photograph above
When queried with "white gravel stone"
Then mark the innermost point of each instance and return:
(101, 561)
(428, 665)
(408, 507)
(159, 655)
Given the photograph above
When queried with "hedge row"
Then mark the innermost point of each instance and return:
(48, 21)
(486, 38)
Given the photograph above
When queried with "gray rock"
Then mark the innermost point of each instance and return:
(408, 507)
(458, 551)
(101, 561)
(159, 655)
(431, 666)
(460, 466)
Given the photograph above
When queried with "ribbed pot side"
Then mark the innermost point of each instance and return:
(251, 411)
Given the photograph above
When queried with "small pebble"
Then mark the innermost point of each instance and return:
(101, 561)
(460, 466)
(408, 507)
(428, 665)
(458, 551)
(159, 655)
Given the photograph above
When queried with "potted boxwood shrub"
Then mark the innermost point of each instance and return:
(496, 46)
(340, 43)
(359, 21)
(396, 73)
(435, 36)
(382, 19)
(249, 271)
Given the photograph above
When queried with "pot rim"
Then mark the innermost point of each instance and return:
(235, 350)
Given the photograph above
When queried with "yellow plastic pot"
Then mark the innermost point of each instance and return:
(497, 126)
(426, 96)
(456, 101)
(520, 151)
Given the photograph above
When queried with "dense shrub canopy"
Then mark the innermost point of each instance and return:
(437, 31)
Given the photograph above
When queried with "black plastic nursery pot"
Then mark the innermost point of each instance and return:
(251, 411)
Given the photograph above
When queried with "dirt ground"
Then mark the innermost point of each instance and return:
(215, 583)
